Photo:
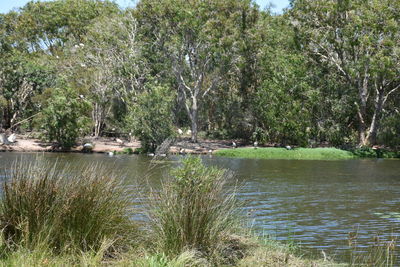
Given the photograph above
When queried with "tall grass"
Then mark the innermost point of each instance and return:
(64, 209)
(193, 210)
(380, 253)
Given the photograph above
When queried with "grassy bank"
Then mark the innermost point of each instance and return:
(283, 153)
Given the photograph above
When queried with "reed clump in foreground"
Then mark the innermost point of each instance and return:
(64, 209)
(194, 210)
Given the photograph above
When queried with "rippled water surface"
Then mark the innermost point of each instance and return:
(316, 203)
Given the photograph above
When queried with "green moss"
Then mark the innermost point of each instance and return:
(282, 153)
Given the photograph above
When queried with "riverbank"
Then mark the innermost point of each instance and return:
(26, 143)
(253, 253)
(283, 153)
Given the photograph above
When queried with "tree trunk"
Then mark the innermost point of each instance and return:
(193, 118)
(362, 110)
(376, 119)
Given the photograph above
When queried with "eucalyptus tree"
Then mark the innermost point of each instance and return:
(360, 40)
(196, 41)
(47, 26)
(108, 64)
(283, 100)
(32, 40)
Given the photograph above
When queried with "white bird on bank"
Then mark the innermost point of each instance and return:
(255, 144)
(288, 147)
(180, 132)
(12, 138)
(234, 145)
(119, 141)
(110, 153)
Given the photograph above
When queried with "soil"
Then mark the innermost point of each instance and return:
(27, 143)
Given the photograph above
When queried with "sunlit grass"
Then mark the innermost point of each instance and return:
(283, 153)
(63, 208)
(193, 210)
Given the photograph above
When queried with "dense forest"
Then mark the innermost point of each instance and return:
(324, 71)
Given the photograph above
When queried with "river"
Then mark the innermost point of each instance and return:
(314, 203)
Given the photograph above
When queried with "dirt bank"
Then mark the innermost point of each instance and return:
(26, 143)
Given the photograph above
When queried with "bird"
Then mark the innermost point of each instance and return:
(288, 147)
(119, 141)
(188, 132)
(88, 145)
(180, 132)
(255, 144)
(234, 145)
(182, 151)
(12, 138)
(110, 153)
(210, 151)
(150, 154)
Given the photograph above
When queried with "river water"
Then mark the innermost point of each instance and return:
(313, 203)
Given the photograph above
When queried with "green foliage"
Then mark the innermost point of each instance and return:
(49, 25)
(194, 210)
(368, 152)
(63, 118)
(283, 100)
(151, 116)
(63, 208)
(354, 41)
(283, 153)
(390, 132)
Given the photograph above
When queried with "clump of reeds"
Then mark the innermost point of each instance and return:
(194, 210)
(65, 209)
(379, 252)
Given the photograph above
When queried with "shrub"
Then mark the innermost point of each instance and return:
(152, 117)
(63, 117)
(194, 210)
(65, 209)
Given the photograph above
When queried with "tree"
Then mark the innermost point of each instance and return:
(63, 118)
(47, 26)
(197, 38)
(151, 116)
(357, 39)
(108, 64)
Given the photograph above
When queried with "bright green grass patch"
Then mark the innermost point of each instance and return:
(283, 153)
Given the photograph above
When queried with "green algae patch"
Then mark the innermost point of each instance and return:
(283, 153)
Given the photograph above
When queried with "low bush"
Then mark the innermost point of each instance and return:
(64, 208)
(194, 210)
